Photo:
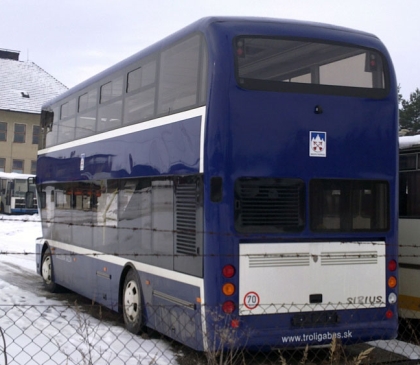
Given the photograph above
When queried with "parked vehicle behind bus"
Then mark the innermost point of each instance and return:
(409, 227)
(17, 193)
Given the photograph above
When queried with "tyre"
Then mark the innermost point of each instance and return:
(132, 303)
(47, 272)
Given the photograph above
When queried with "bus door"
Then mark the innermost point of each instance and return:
(9, 189)
(30, 196)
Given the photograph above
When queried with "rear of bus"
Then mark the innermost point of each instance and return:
(300, 164)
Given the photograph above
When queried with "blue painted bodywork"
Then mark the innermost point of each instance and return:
(24, 211)
(165, 150)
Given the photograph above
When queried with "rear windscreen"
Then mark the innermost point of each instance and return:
(275, 64)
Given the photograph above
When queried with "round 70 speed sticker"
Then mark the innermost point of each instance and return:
(251, 300)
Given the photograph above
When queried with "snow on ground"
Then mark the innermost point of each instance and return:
(399, 347)
(39, 330)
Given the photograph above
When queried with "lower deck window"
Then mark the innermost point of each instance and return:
(349, 205)
(157, 221)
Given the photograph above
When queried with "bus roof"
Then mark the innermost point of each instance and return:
(14, 175)
(200, 26)
(407, 142)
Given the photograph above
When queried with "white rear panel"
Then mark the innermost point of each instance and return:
(315, 276)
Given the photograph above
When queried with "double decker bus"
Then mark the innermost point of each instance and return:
(233, 185)
(409, 231)
(17, 193)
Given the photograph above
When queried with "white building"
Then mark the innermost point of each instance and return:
(24, 87)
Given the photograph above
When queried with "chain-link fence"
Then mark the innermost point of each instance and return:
(89, 334)
(42, 330)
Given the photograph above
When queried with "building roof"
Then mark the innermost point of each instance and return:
(24, 86)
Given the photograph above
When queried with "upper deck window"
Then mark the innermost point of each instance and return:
(181, 73)
(167, 81)
(68, 109)
(111, 90)
(87, 100)
(306, 66)
(141, 77)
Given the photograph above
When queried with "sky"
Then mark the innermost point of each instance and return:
(51, 331)
(75, 39)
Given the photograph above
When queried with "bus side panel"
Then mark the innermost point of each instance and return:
(172, 148)
(171, 307)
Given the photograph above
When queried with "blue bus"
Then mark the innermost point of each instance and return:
(231, 186)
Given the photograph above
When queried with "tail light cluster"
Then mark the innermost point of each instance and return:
(392, 283)
(229, 289)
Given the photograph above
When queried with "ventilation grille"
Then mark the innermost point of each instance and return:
(304, 259)
(269, 205)
(349, 258)
(186, 218)
(279, 260)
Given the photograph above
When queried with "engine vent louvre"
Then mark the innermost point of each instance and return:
(186, 218)
(269, 205)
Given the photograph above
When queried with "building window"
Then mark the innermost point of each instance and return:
(35, 134)
(2, 164)
(17, 166)
(3, 131)
(33, 167)
(20, 132)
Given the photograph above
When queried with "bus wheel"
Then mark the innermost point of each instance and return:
(47, 271)
(131, 301)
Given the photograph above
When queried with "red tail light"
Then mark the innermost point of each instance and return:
(228, 307)
(392, 265)
(228, 271)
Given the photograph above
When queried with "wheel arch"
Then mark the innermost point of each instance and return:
(50, 284)
(44, 247)
(128, 266)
